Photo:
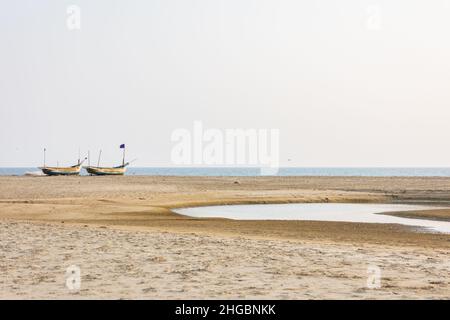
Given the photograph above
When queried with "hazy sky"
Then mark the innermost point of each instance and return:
(348, 83)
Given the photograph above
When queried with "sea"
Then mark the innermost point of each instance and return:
(284, 171)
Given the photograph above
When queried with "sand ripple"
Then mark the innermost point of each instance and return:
(153, 265)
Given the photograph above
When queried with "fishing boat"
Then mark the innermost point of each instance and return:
(62, 171)
(109, 171)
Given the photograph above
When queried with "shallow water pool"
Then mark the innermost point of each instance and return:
(343, 212)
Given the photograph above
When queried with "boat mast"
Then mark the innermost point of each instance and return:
(99, 155)
(123, 159)
(44, 156)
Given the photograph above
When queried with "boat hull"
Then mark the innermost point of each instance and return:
(61, 171)
(106, 171)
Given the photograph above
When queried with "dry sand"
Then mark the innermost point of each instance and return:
(121, 233)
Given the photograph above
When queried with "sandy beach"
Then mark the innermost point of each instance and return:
(122, 234)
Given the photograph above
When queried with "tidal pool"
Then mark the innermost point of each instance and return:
(344, 212)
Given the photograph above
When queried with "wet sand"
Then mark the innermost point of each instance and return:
(125, 227)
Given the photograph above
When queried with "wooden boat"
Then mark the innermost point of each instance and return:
(62, 171)
(107, 171)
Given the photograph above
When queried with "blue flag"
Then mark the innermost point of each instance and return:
(122, 146)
